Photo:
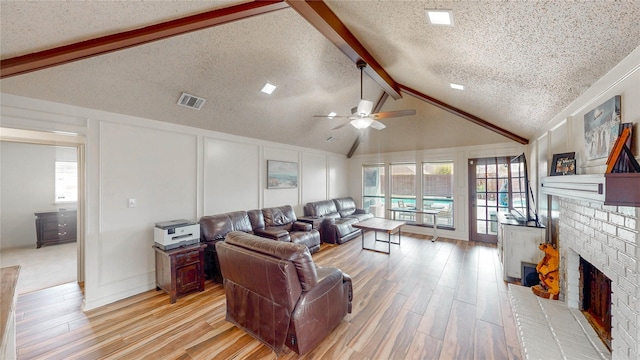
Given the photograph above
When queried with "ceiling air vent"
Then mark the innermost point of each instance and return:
(191, 101)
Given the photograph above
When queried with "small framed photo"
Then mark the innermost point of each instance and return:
(563, 164)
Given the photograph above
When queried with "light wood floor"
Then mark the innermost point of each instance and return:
(426, 300)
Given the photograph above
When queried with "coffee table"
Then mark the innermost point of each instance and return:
(380, 225)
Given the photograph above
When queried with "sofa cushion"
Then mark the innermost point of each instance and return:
(345, 206)
(325, 208)
(360, 215)
(281, 217)
(216, 227)
(256, 219)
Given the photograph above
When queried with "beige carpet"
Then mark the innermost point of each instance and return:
(42, 268)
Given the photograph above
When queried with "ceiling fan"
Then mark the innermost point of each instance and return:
(361, 116)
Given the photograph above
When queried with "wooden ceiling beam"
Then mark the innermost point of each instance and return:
(318, 14)
(463, 114)
(106, 44)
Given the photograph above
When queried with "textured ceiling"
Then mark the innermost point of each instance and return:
(521, 63)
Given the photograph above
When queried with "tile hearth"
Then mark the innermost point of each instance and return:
(549, 329)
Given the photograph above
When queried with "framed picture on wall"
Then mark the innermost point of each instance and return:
(563, 164)
(601, 129)
(282, 174)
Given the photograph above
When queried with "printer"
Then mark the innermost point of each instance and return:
(172, 234)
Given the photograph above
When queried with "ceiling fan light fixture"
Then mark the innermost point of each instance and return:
(365, 107)
(361, 123)
(440, 17)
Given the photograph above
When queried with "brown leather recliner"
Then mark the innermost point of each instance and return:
(283, 219)
(277, 294)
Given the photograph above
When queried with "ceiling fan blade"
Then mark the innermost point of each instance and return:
(341, 126)
(392, 114)
(333, 117)
(377, 125)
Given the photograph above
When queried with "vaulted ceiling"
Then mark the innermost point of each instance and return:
(520, 62)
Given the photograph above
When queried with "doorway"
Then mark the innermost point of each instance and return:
(488, 192)
(57, 148)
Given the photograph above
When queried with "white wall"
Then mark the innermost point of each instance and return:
(226, 172)
(338, 177)
(27, 186)
(459, 156)
(565, 132)
(173, 172)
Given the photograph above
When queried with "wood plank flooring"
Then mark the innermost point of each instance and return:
(425, 300)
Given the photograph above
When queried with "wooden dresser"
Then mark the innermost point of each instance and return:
(180, 271)
(56, 227)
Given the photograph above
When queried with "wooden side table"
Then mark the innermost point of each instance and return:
(180, 271)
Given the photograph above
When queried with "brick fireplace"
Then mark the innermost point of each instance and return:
(608, 238)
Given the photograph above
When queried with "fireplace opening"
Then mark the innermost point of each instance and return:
(595, 300)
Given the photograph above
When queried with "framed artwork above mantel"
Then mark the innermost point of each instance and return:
(601, 128)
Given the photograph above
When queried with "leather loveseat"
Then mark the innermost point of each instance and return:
(277, 294)
(338, 215)
(214, 228)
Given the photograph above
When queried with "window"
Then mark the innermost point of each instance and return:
(373, 189)
(403, 189)
(437, 191)
(66, 181)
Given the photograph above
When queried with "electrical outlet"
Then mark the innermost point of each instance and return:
(132, 203)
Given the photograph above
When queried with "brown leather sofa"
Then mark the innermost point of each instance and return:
(338, 215)
(214, 228)
(277, 294)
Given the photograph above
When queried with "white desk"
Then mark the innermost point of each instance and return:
(433, 213)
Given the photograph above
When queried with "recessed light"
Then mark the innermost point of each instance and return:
(457, 86)
(440, 17)
(331, 115)
(268, 88)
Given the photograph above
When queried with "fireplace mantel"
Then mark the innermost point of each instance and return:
(619, 189)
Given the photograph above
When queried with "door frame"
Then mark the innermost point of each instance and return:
(77, 141)
(471, 167)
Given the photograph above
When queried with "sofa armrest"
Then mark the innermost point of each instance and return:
(346, 279)
(301, 226)
(274, 234)
(361, 211)
(328, 278)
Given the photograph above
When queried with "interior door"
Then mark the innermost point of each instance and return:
(488, 191)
